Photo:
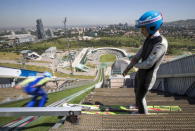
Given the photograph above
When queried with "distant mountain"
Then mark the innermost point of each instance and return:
(184, 23)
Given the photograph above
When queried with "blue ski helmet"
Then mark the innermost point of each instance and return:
(152, 20)
(47, 74)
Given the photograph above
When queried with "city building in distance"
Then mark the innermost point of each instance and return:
(40, 29)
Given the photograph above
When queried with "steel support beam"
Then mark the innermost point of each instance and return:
(40, 111)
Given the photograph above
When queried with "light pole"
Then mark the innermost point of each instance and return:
(70, 57)
(69, 45)
(65, 20)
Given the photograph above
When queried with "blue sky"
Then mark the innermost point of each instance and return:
(79, 12)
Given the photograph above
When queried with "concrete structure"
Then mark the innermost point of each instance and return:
(85, 38)
(124, 53)
(23, 38)
(16, 39)
(119, 66)
(117, 82)
(50, 33)
(78, 63)
(40, 29)
(50, 52)
(28, 54)
(94, 54)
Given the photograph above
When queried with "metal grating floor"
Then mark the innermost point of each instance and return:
(184, 120)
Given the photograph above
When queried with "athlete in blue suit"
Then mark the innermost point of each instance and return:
(33, 86)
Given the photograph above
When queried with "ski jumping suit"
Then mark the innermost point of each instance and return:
(33, 86)
(150, 57)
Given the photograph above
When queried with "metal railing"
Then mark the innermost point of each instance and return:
(177, 77)
(39, 111)
(20, 123)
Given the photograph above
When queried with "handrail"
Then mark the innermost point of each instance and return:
(176, 75)
(39, 111)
